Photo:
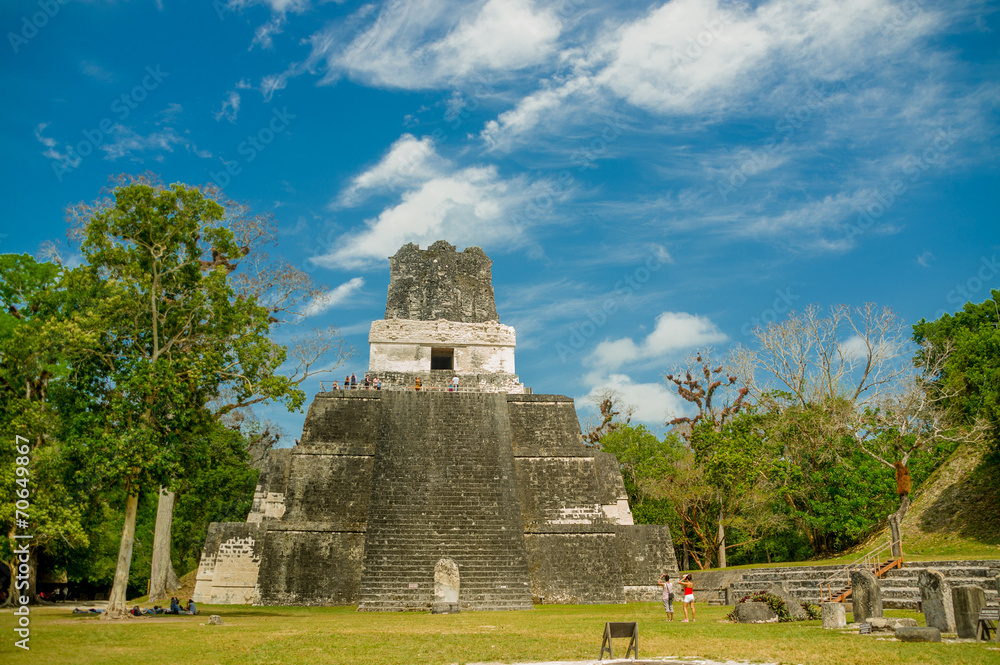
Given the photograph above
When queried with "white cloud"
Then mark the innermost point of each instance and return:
(505, 35)
(230, 107)
(126, 142)
(473, 205)
(334, 297)
(410, 161)
(96, 71)
(470, 206)
(674, 331)
(276, 24)
(419, 44)
(653, 404)
(710, 58)
(66, 159)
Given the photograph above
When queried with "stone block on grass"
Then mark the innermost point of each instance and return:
(834, 615)
(866, 596)
(755, 612)
(918, 634)
(935, 600)
(967, 601)
(793, 604)
(889, 624)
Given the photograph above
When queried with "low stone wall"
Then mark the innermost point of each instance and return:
(713, 585)
(228, 570)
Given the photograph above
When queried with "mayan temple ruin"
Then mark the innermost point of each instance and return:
(485, 498)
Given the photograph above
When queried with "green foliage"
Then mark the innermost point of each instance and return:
(970, 340)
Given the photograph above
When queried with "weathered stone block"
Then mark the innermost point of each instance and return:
(445, 608)
(967, 601)
(834, 615)
(215, 620)
(754, 612)
(935, 600)
(791, 602)
(918, 634)
(440, 283)
(866, 596)
(889, 624)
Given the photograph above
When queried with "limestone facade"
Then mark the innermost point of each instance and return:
(403, 500)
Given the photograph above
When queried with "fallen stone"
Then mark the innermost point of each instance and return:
(793, 604)
(445, 608)
(754, 612)
(865, 595)
(935, 600)
(996, 582)
(215, 620)
(918, 634)
(890, 624)
(834, 615)
(967, 600)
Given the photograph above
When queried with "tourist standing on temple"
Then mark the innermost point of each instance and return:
(354, 381)
(454, 384)
(416, 384)
(335, 387)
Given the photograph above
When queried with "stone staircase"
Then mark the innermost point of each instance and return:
(443, 486)
(899, 587)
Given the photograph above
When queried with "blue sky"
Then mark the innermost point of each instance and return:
(648, 178)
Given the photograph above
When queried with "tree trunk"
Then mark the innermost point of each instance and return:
(117, 608)
(722, 544)
(896, 525)
(163, 579)
(686, 562)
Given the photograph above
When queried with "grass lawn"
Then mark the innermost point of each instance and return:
(552, 632)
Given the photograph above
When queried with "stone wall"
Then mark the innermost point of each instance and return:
(405, 346)
(313, 555)
(269, 495)
(444, 487)
(384, 485)
(440, 283)
(228, 569)
(646, 552)
(487, 383)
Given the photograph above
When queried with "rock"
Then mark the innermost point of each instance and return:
(754, 612)
(215, 620)
(935, 600)
(967, 601)
(793, 604)
(834, 615)
(889, 624)
(446, 581)
(918, 634)
(866, 596)
(445, 608)
(996, 582)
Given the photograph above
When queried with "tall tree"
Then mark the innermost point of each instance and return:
(175, 330)
(44, 333)
(713, 391)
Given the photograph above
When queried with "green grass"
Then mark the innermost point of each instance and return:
(259, 635)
